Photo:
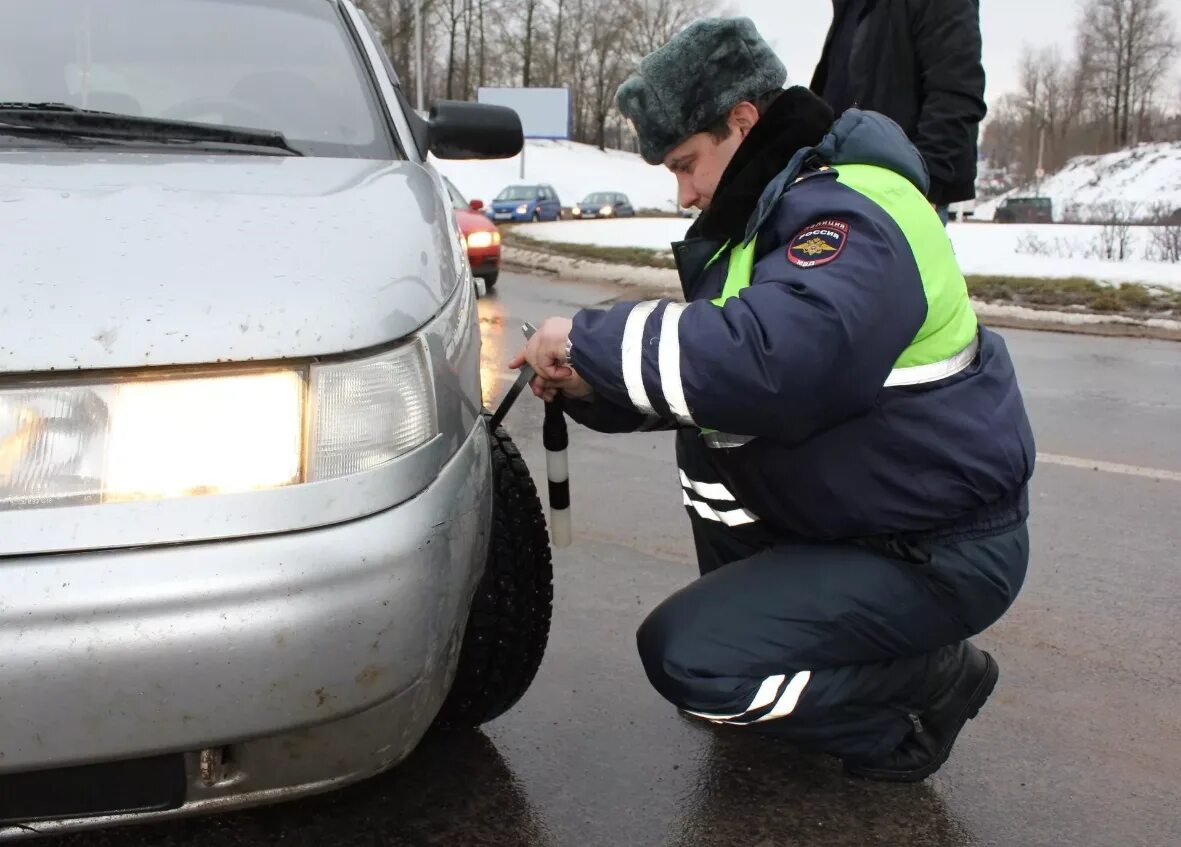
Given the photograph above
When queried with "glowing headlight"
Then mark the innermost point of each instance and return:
(607, 210)
(523, 208)
(155, 438)
(483, 239)
(575, 210)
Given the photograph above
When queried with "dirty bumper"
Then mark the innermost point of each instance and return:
(269, 667)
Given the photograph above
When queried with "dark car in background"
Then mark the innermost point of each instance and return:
(519, 203)
(604, 204)
(1025, 210)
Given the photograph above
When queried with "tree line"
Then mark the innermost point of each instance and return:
(1114, 90)
(588, 46)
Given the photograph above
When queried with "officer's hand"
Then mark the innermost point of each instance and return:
(546, 350)
(573, 386)
(546, 354)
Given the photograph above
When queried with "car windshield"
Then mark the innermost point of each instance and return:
(285, 66)
(598, 199)
(457, 200)
(518, 192)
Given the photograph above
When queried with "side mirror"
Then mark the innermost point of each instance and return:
(476, 205)
(458, 130)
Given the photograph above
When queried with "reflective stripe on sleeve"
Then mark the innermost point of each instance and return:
(632, 355)
(669, 360)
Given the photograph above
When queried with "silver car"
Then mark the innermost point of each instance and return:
(247, 489)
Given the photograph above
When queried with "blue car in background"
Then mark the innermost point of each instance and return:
(526, 203)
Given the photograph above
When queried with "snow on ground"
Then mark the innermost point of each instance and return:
(1138, 178)
(1056, 250)
(574, 170)
(652, 233)
(982, 248)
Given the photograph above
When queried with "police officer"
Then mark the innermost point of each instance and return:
(852, 445)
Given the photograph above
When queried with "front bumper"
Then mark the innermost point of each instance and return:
(309, 659)
(501, 216)
(484, 261)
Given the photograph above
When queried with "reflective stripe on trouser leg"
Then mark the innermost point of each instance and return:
(708, 490)
(729, 517)
(768, 693)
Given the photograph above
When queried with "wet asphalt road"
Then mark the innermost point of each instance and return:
(1080, 744)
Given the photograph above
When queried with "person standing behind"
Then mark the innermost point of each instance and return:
(918, 63)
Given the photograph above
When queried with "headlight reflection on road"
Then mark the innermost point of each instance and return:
(493, 355)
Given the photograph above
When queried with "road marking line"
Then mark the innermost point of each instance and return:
(1110, 467)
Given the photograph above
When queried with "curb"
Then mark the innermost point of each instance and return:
(644, 282)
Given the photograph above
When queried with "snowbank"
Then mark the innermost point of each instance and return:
(982, 248)
(1139, 177)
(574, 170)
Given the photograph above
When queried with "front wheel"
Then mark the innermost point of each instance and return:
(490, 279)
(508, 627)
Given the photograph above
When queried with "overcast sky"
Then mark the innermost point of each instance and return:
(796, 29)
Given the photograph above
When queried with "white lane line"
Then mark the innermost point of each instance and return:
(1110, 467)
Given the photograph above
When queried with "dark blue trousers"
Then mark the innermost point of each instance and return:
(831, 645)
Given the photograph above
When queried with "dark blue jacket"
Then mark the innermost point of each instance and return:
(798, 361)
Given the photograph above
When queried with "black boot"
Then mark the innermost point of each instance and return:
(971, 676)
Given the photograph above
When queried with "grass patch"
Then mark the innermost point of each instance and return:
(1075, 292)
(637, 256)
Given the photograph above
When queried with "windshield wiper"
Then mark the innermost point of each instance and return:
(62, 119)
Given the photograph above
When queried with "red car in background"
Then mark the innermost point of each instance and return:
(480, 236)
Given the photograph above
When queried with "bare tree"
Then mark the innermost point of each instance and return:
(654, 22)
(530, 8)
(1132, 43)
(481, 77)
(557, 45)
(450, 14)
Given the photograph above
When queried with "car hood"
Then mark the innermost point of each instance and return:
(510, 204)
(123, 260)
(473, 221)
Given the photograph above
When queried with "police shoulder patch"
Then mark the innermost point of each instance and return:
(818, 244)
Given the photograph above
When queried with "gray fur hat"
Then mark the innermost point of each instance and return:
(700, 75)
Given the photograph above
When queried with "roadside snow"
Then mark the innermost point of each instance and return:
(652, 233)
(1136, 179)
(574, 170)
(1056, 251)
(982, 248)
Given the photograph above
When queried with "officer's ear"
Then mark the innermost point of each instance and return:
(743, 117)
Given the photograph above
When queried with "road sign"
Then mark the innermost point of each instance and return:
(545, 112)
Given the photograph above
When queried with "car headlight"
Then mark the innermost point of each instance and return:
(607, 210)
(366, 413)
(483, 239)
(523, 208)
(150, 438)
(576, 210)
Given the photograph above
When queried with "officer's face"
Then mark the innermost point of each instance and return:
(699, 161)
